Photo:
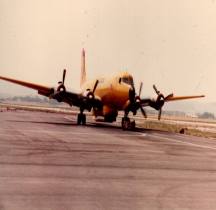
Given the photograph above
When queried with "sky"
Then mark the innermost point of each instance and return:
(171, 44)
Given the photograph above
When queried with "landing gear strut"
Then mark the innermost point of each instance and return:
(127, 124)
(81, 118)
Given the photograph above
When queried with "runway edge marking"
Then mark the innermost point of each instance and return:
(182, 142)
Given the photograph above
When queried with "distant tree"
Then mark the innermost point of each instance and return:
(54, 102)
(45, 100)
(37, 99)
(206, 115)
(14, 98)
(26, 99)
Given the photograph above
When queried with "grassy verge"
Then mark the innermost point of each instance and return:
(175, 128)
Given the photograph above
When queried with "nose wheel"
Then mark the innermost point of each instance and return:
(125, 119)
(127, 124)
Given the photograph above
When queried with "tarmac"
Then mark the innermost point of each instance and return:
(47, 161)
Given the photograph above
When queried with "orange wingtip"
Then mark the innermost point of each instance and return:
(83, 52)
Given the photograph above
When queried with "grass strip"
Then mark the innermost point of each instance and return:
(175, 128)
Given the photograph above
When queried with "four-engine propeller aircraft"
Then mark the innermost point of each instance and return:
(104, 95)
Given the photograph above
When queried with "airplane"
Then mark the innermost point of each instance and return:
(104, 96)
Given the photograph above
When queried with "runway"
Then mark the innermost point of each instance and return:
(47, 161)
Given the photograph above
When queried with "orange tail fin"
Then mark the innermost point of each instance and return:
(83, 72)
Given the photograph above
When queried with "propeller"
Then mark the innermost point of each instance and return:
(169, 96)
(88, 99)
(141, 84)
(88, 94)
(161, 100)
(137, 101)
(158, 92)
(61, 87)
(142, 110)
(53, 95)
(95, 86)
(64, 73)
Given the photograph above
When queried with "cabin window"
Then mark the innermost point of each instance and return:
(119, 80)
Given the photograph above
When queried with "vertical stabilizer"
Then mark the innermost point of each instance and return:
(83, 72)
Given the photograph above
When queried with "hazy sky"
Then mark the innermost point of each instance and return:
(170, 43)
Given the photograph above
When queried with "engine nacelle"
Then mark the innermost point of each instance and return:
(88, 94)
(157, 101)
(60, 88)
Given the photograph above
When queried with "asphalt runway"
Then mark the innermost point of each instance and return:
(49, 162)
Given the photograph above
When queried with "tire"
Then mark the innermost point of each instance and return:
(133, 125)
(123, 123)
(84, 119)
(78, 119)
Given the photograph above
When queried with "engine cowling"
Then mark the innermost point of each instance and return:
(89, 94)
(157, 101)
(137, 99)
(60, 88)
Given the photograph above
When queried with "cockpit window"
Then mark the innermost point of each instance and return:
(127, 80)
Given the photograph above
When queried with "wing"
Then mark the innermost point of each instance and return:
(145, 101)
(148, 101)
(183, 97)
(67, 97)
(41, 88)
(157, 100)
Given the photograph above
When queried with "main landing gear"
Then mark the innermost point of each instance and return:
(81, 118)
(127, 124)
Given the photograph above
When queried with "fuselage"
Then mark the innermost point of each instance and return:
(112, 90)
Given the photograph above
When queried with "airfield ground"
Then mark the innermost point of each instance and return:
(49, 162)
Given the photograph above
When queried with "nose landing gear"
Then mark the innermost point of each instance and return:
(127, 124)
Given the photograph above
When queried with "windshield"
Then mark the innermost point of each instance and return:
(127, 80)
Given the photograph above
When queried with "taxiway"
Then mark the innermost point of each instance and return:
(47, 161)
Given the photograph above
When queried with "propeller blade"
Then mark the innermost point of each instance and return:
(141, 84)
(53, 95)
(143, 112)
(156, 89)
(159, 114)
(169, 96)
(132, 94)
(63, 79)
(96, 83)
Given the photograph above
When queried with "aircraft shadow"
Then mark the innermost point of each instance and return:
(90, 124)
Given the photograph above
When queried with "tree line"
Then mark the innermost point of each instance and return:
(30, 99)
(206, 115)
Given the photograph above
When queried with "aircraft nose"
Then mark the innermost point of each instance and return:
(131, 93)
